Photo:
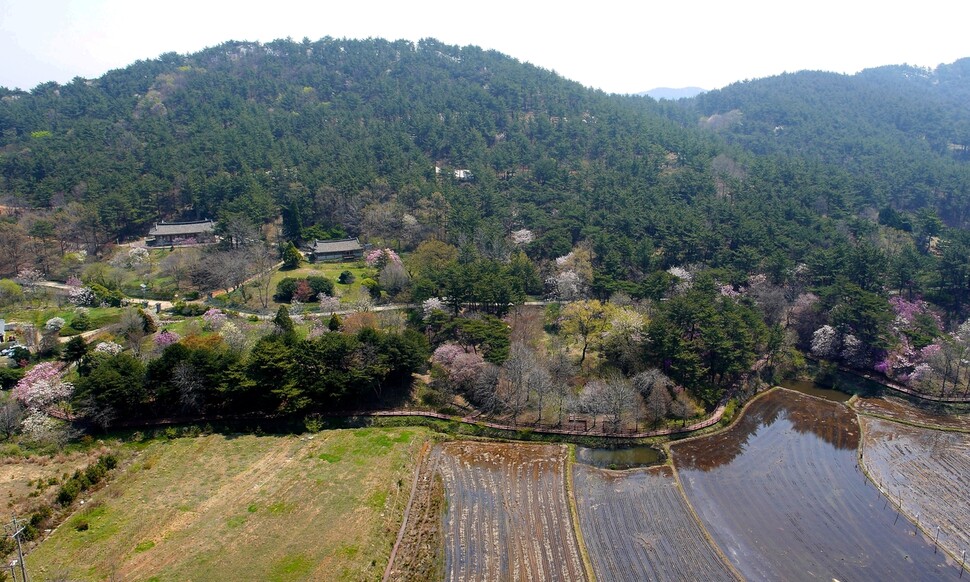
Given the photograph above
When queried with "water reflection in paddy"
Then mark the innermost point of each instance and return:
(813, 389)
(782, 496)
(618, 458)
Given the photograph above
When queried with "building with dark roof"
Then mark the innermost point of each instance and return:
(347, 249)
(181, 233)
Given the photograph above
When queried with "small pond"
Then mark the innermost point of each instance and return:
(619, 458)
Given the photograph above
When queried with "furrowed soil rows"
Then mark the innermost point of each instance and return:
(927, 471)
(782, 496)
(507, 517)
(637, 526)
(899, 410)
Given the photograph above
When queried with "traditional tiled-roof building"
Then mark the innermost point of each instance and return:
(347, 249)
(181, 233)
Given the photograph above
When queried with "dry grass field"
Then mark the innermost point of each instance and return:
(319, 507)
(29, 482)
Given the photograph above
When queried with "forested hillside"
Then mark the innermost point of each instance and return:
(903, 131)
(801, 203)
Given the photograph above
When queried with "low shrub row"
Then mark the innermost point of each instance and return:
(83, 480)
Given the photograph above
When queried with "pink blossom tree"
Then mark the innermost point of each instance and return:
(42, 387)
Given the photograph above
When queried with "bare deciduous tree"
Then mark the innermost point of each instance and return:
(612, 398)
(189, 384)
(539, 382)
(178, 265)
(515, 371)
(561, 369)
(11, 414)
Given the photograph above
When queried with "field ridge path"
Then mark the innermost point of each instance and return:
(574, 513)
(422, 458)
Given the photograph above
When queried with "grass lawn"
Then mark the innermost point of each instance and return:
(331, 271)
(321, 507)
(99, 316)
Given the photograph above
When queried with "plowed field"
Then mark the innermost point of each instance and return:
(637, 526)
(507, 513)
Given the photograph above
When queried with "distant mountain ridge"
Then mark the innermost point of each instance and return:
(659, 93)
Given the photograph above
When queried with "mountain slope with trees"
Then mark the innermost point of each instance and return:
(797, 206)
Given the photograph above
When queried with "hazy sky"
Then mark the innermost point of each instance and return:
(622, 47)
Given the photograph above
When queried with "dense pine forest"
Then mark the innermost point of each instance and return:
(823, 211)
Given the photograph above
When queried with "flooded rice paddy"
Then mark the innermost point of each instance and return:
(781, 494)
(638, 526)
(813, 389)
(620, 457)
(777, 496)
(507, 513)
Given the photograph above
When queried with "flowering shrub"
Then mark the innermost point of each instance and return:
(55, 324)
(73, 281)
(166, 338)
(213, 319)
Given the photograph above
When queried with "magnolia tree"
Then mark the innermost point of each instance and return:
(237, 340)
(42, 387)
(825, 342)
(566, 286)
(918, 337)
(108, 348)
(572, 276)
(430, 305)
(81, 296)
(523, 236)
(328, 303)
(379, 258)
